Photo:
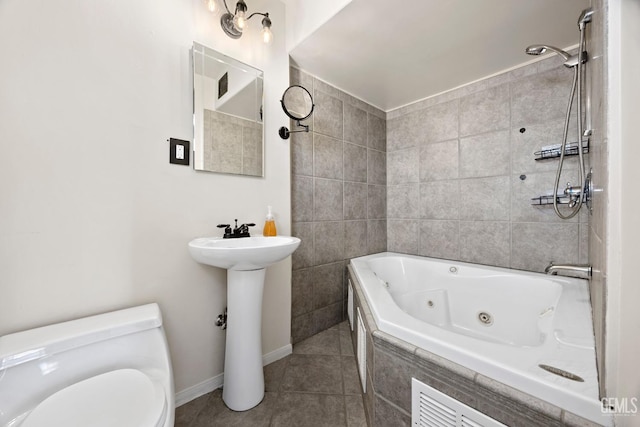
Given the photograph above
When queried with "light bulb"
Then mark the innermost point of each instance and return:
(239, 20)
(267, 35)
(211, 5)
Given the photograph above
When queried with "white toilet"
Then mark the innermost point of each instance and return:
(112, 369)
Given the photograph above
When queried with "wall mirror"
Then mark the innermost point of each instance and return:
(228, 115)
(297, 103)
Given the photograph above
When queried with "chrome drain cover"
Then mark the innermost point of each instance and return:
(485, 318)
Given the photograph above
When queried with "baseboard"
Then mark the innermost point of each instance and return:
(207, 386)
(200, 389)
(277, 354)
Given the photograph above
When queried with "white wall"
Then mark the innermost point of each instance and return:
(92, 215)
(623, 320)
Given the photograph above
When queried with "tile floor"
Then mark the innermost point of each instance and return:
(317, 385)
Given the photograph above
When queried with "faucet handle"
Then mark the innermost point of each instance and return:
(227, 230)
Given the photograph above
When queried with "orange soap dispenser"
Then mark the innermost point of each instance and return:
(269, 224)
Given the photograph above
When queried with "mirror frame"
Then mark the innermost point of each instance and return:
(286, 110)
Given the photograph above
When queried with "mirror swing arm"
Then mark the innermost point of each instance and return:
(284, 131)
(296, 96)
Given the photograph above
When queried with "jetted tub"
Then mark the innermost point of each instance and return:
(501, 323)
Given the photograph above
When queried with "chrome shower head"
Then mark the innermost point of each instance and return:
(585, 17)
(539, 49)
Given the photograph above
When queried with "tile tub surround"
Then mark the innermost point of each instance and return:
(317, 385)
(461, 172)
(391, 363)
(338, 201)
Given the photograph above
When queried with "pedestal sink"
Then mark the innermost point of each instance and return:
(245, 260)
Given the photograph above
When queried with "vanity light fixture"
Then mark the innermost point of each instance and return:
(233, 24)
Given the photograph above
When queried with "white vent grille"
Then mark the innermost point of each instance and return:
(350, 303)
(466, 422)
(433, 413)
(362, 352)
(431, 408)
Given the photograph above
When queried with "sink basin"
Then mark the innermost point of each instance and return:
(246, 253)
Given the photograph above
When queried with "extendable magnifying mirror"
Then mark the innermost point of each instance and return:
(297, 103)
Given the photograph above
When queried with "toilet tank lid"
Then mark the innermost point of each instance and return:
(21, 347)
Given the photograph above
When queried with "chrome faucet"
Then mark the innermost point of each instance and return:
(585, 269)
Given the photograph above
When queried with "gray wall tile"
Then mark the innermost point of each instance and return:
(403, 236)
(302, 198)
(327, 198)
(485, 111)
(485, 155)
(302, 291)
(403, 166)
(327, 284)
(329, 242)
(355, 163)
(389, 415)
(440, 122)
(377, 202)
(355, 200)
(485, 198)
(540, 98)
(355, 125)
(485, 242)
(299, 77)
(403, 201)
(327, 157)
(355, 239)
(404, 132)
(535, 136)
(302, 153)
(376, 236)
(536, 244)
(440, 199)
(376, 133)
(339, 176)
(376, 167)
(440, 239)
(439, 161)
(325, 317)
(392, 379)
(302, 327)
(303, 256)
(327, 115)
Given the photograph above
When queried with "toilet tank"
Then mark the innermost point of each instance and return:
(36, 363)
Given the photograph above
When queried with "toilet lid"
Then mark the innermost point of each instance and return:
(125, 397)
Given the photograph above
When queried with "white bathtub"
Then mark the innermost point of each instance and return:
(498, 322)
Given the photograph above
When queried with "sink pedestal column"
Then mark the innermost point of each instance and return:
(243, 375)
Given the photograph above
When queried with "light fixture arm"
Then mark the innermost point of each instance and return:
(266, 15)
(227, 21)
(226, 7)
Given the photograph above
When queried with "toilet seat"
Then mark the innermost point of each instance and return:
(125, 397)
